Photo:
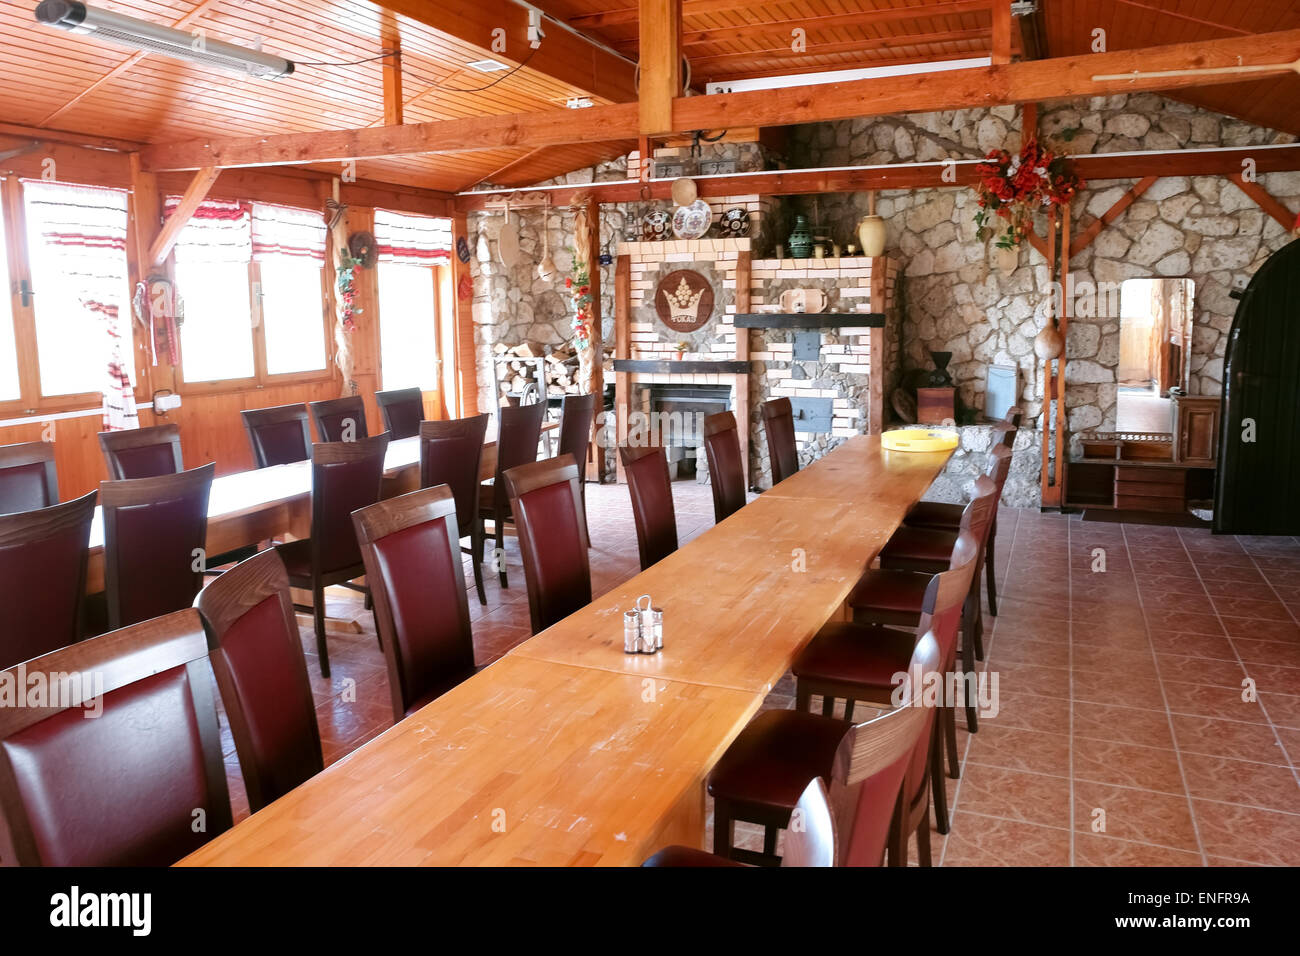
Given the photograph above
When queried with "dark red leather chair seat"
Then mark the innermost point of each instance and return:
(296, 556)
(866, 655)
(884, 589)
(773, 759)
(934, 514)
(918, 549)
(687, 856)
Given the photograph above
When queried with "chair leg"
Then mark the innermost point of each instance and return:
(500, 553)
(318, 618)
(476, 558)
(848, 708)
(896, 851)
(949, 717)
(968, 664)
(724, 829)
(803, 696)
(769, 841)
(975, 617)
(989, 563)
(936, 779)
(923, 839)
(828, 705)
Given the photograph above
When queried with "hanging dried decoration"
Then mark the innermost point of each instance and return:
(1012, 187)
(345, 281)
(578, 283)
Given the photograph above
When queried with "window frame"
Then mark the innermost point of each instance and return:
(31, 403)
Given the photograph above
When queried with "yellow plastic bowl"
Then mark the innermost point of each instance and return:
(918, 439)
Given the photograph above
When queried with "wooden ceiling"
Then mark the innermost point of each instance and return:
(57, 80)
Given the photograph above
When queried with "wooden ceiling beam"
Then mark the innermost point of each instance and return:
(1030, 81)
(563, 55)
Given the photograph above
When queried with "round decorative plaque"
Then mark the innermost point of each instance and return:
(684, 300)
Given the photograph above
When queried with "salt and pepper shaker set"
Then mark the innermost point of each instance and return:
(643, 628)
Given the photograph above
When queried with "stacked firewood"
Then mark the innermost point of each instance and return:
(516, 368)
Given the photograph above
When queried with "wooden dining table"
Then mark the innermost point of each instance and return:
(569, 752)
(248, 507)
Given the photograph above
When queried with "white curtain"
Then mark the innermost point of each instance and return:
(285, 231)
(412, 240)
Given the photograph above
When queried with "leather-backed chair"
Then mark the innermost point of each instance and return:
(451, 453)
(153, 530)
(340, 419)
(279, 435)
(577, 412)
(28, 479)
(43, 578)
(856, 662)
(726, 470)
(142, 452)
(547, 507)
(651, 490)
(261, 672)
(519, 428)
(345, 476)
(870, 767)
(812, 844)
(142, 784)
(778, 426)
(411, 549)
(403, 411)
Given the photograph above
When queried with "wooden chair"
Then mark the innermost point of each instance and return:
(810, 845)
(279, 435)
(760, 777)
(547, 506)
(726, 470)
(651, 490)
(778, 426)
(519, 428)
(261, 672)
(451, 453)
(153, 528)
(43, 578)
(28, 479)
(141, 785)
(853, 661)
(403, 411)
(577, 412)
(142, 452)
(410, 548)
(345, 476)
(340, 419)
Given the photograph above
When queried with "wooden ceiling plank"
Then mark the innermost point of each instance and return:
(1027, 81)
(171, 230)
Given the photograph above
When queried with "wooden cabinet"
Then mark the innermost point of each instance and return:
(1196, 429)
(1140, 473)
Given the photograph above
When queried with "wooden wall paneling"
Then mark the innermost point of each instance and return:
(622, 350)
(741, 383)
(466, 357)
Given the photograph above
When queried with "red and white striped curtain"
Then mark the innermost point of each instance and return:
(85, 227)
(412, 240)
(287, 232)
(217, 232)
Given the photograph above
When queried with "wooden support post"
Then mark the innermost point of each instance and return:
(1058, 477)
(622, 350)
(466, 355)
(392, 68)
(145, 224)
(876, 356)
(1266, 202)
(740, 382)
(661, 63)
(1110, 215)
(646, 147)
(1045, 421)
(194, 195)
(1001, 33)
(595, 469)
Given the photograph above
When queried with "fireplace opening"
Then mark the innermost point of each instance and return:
(672, 414)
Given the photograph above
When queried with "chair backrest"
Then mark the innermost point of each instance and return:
(411, 549)
(811, 841)
(547, 506)
(1014, 416)
(278, 435)
(651, 490)
(403, 411)
(345, 476)
(576, 415)
(28, 479)
(778, 425)
(340, 419)
(1004, 435)
(726, 470)
(873, 766)
(142, 452)
(43, 578)
(451, 453)
(998, 468)
(519, 428)
(152, 529)
(978, 514)
(142, 784)
(256, 654)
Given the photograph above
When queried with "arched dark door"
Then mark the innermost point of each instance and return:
(1257, 487)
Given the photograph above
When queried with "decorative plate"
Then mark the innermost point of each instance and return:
(462, 249)
(735, 222)
(684, 192)
(361, 246)
(693, 221)
(654, 226)
(465, 288)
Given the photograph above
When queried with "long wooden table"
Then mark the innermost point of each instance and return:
(568, 751)
(264, 503)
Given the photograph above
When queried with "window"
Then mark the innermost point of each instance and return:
(10, 387)
(411, 249)
(250, 281)
(76, 244)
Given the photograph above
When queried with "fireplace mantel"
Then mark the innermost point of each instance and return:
(681, 367)
(811, 320)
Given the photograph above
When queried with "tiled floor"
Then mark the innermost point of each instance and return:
(1148, 677)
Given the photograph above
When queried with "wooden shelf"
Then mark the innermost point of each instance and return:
(682, 367)
(810, 320)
